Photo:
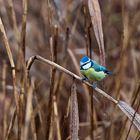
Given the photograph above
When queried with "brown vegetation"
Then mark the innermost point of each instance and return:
(48, 102)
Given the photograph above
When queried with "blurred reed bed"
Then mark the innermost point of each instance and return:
(41, 102)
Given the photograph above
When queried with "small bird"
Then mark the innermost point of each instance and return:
(92, 71)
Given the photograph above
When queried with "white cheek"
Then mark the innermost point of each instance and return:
(87, 66)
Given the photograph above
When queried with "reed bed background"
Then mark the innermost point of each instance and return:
(42, 102)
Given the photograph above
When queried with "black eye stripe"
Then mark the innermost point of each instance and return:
(83, 68)
(87, 63)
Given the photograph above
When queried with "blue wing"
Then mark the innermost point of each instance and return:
(98, 67)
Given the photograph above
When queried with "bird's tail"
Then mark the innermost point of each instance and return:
(108, 72)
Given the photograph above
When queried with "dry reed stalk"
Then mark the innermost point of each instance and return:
(50, 103)
(36, 111)
(25, 87)
(74, 113)
(64, 59)
(65, 117)
(55, 108)
(89, 53)
(14, 21)
(22, 50)
(47, 17)
(28, 113)
(85, 22)
(135, 94)
(123, 106)
(56, 115)
(91, 114)
(95, 13)
(33, 127)
(52, 131)
(21, 117)
(23, 30)
(94, 10)
(49, 13)
(12, 64)
(4, 75)
(55, 44)
(11, 124)
(68, 109)
(17, 99)
(52, 100)
(39, 106)
(87, 33)
(135, 65)
(6, 44)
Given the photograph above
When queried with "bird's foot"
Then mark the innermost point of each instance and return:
(84, 79)
(94, 85)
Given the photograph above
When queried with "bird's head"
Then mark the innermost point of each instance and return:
(85, 63)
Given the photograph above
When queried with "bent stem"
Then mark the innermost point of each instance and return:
(124, 107)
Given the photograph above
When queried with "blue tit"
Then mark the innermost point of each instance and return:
(92, 71)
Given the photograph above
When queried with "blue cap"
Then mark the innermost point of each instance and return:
(84, 60)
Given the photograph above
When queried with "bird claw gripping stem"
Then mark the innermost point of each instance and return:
(84, 79)
(94, 85)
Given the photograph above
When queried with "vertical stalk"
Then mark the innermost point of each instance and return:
(91, 89)
(14, 20)
(11, 124)
(89, 53)
(4, 75)
(52, 99)
(28, 114)
(12, 64)
(23, 30)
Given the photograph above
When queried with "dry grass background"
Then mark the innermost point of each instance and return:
(46, 104)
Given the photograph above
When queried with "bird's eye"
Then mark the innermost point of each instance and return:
(86, 66)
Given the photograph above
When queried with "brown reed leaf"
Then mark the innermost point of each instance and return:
(130, 113)
(134, 99)
(74, 114)
(96, 19)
